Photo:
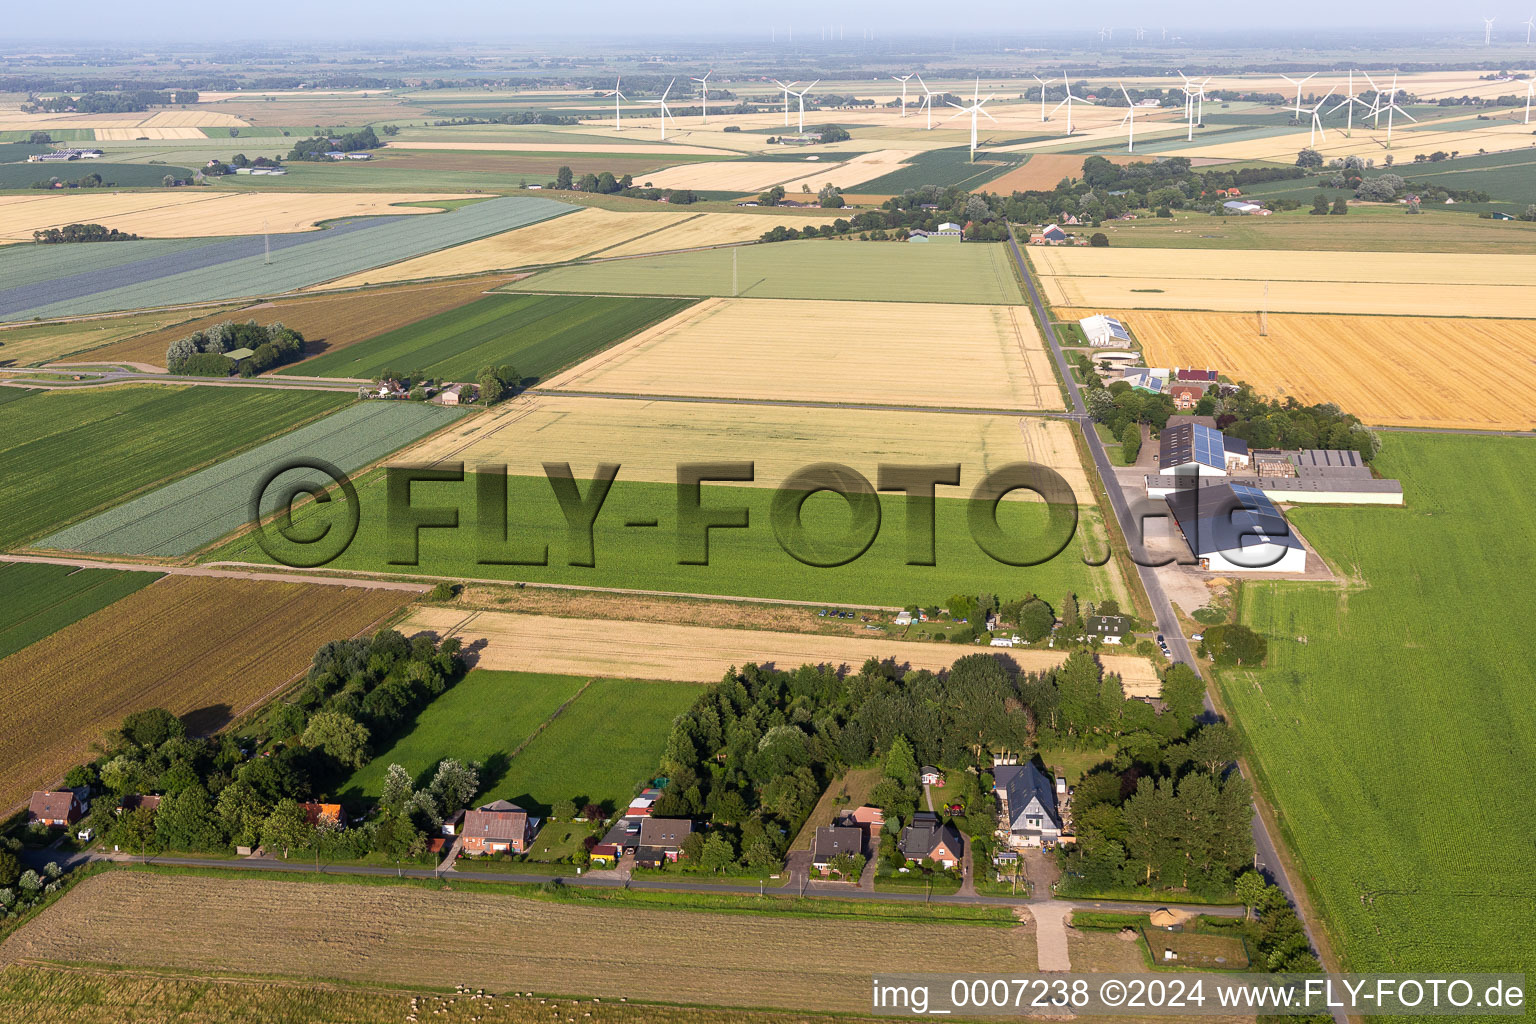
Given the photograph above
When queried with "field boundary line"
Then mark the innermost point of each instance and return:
(787, 403)
(595, 253)
(539, 729)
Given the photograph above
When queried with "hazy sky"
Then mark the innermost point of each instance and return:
(335, 21)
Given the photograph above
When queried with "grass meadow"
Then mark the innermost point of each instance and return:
(813, 269)
(746, 562)
(37, 600)
(1393, 726)
(538, 334)
(68, 453)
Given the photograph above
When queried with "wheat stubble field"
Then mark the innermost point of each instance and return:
(1388, 370)
(1232, 280)
(890, 353)
(401, 935)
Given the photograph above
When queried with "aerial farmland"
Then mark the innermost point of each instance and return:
(639, 521)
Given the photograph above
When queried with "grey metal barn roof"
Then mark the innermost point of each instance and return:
(1279, 486)
(1192, 442)
(1228, 517)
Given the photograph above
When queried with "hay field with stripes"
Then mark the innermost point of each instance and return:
(885, 353)
(1234, 280)
(1388, 370)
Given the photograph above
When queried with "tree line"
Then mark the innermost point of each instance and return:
(107, 102)
(202, 353)
(346, 142)
(81, 233)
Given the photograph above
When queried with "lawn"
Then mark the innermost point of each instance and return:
(1393, 725)
(814, 269)
(538, 334)
(200, 508)
(843, 794)
(746, 562)
(37, 600)
(68, 453)
(484, 718)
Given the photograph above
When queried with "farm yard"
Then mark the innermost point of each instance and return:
(538, 334)
(47, 281)
(1401, 368)
(1404, 690)
(1401, 284)
(203, 647)
(189, 214)
(814, 269)
(38, 599)
(700, 654)
(146, 919)
(198, 509)
(967, 356)
(70, 453)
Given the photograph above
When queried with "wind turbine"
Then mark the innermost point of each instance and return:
(1129, 120)
(973, 110)
(704, 91)
(1042, 96)
(788, 90)
(1530, 88)
(1067, 102)
(1298, 86)
(1189, 105)
(1200, 100)
(1349, 100)
(903, 80)
(664, 110)
(1529, 24)
(1488, 31)
(927, 100)
(801, 95)
(1389, 107)
(617, 96)
(1317, 121)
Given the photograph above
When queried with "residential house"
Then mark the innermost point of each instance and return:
(58, 808)
(325, 814)
(1026, 802)
(498, 827)
(1108, 627)
(452, 394)
(868, 819)
(927, 838)
(1186, 395)
(930, 776)
(661, 841)
(833, 841)
(137, 802)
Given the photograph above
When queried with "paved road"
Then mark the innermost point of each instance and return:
(1266, 856)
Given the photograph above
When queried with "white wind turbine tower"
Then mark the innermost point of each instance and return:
(903, 80)
(1129, 120)
(801, 96)
(1317, 121)
(1200, 100)
(1189, 105)
(973, 110)
(1529, 24)
(1042, 96)
(664, 110)
(1488, 31)
(788, 91)
(1530, 88)
(1350, 99)
(617, 97)
(1067, 102)
(704, 91)
(1298, 86)
(1389, 107)
(927, 100)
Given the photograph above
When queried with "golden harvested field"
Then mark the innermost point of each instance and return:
(1388, 370)
(1233, 280)
(582, 233)
(574, 146)
(862, 168)
(205, 646)
(40, 343)
(1491, 136)
(326, 321)
(189, 214)
(649, 439)
(14, 120)
(716, 229)
(757, 175)
(146, 132)
(891, 353)
(387, 934)
(668, 651)
(1043, 170)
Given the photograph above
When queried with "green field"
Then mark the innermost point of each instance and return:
(745, 562)
(538, 334)
(121, 175)
(1394, 726)
(485, 717)
(37, 600)
(603, 743)
(943, 167)
(817, 269)
(1504, 176)
(196, 510)
(68, 453)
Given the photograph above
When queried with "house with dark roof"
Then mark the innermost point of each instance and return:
(1026, 801)
(1109, 628)
(833, 841)
(138, 802)
(498, 827)
(57, 808)
(927, 838)
(1193, 449)
(661, 841)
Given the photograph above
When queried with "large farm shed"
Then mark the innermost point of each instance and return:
(1233, 527)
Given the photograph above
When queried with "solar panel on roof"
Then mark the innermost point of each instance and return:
(1209, 447)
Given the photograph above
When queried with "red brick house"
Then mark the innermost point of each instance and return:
(56, 808)
(499, 827)
(928, 839)
(1186, 395)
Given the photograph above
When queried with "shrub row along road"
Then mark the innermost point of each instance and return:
(1267, 857)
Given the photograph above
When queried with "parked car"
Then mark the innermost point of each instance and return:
(1197, 637)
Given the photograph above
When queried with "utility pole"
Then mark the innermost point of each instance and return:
(734, 251)
(1264, 314)
(266, 241)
